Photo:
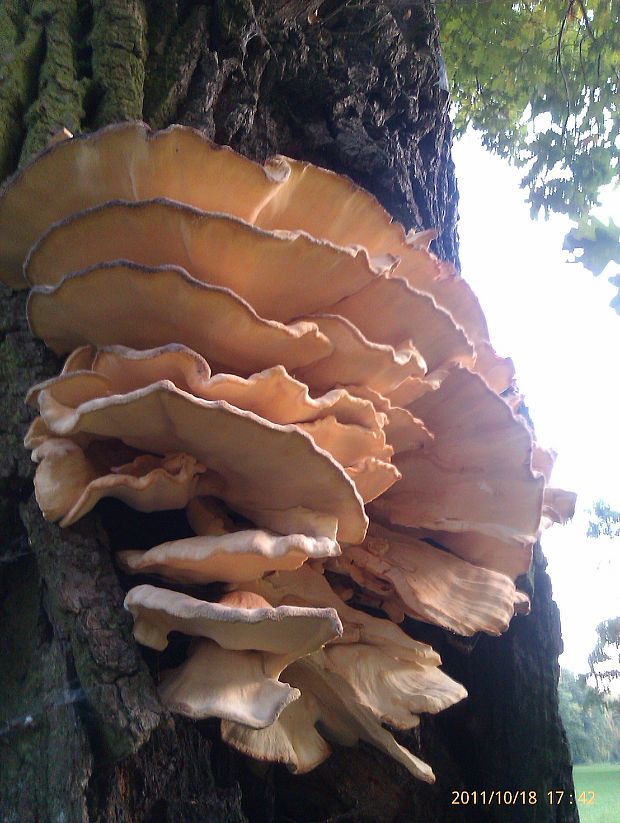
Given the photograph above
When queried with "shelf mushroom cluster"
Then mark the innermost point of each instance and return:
(263, 347)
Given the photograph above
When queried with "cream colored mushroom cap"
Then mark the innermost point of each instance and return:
(271, 393)
(237, 557)
(350, 215)
(431, 585)
(329, 700)
(125, 161)
(119, 370)
(286, 632)
(389, 311)
(355, 360)
(128, 161)
(264, 268)
(236, 446)
(68, 483)
(395, 691)
(475, 478)
(124, 303)
(292, 739)
(217, 682)
(306, 585)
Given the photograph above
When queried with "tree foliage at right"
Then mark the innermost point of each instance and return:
(591, 722)
(604, 521)
(540, 80)
(604, 659)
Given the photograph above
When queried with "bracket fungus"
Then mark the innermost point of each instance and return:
(238, 556)
(265, 349)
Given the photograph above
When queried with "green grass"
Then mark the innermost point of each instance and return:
(604, 780)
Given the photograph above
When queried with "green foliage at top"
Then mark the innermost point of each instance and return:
(591, 722)
(541, 81)
(559, 64)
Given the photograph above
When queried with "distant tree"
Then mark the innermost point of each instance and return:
(591, 722)
(604, 660)
(540, 80)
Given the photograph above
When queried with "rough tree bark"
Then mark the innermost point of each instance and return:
(354, 87)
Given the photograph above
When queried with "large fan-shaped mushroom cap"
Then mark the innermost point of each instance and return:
(362, 451)
(395, 691)
(307, 585)
(239, 622)
(389, 311)
(263, 268)
(217, 682)
(429, 584)
(236, 446)
(71, 480)
(139, 307)
(291, 739)
(271, 393)
(355, 360)
(476, 477)
(129, 162)
(238, 557)
(350, 215)
(330, 701)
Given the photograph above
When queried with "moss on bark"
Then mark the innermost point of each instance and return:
(60, 93)
(119, 50)
(21, 47)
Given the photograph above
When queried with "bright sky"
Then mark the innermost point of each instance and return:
(553, 319)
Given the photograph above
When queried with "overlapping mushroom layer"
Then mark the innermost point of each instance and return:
(264, 347)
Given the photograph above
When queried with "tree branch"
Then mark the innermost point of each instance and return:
(558, 53)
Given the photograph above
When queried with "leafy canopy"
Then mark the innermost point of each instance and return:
(540, 80)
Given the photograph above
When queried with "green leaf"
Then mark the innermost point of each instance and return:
(598, 243)
(506, 59)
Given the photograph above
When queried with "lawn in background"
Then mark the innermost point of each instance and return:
(604, 780)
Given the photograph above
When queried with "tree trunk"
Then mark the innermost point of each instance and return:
(83, 738)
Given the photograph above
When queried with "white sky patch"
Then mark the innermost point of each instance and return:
(553, 319)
